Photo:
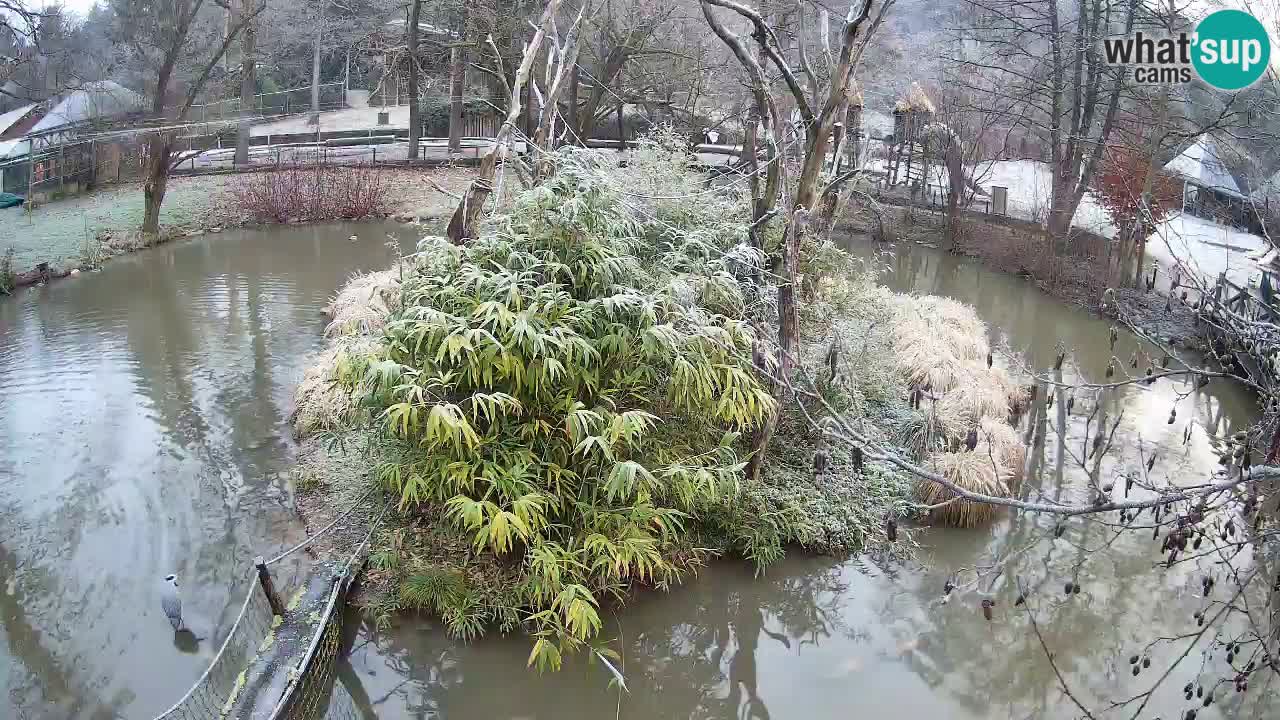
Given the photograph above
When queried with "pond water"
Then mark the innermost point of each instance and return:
(144, 430)
(821, 637)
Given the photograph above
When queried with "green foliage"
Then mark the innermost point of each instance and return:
(562, 405)
(540, 393)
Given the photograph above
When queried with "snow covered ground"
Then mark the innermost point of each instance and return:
(358, 118)
(1197, 245)
(1028, 183)
(1029, 186)
(1208, 249)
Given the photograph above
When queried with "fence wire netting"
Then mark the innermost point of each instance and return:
(313, 697)
(342, 706)
(310, 690)
(208, 698)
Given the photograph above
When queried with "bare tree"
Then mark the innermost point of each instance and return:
(411, 43)
(1041, 61)
(622, 31)
(810, 210)
(463, 223)
(248, 83)
(177, 41)
(317, 29)
(35, 45)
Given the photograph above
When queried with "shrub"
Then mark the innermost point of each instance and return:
(1120, 183)
(311, 193)
(537, 393)
(7, 278)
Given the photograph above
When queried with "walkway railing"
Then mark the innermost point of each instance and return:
(208, 696)
(260, 613)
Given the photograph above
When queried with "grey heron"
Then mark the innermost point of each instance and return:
(171, 601)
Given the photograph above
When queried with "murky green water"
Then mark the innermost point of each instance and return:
(144, 430)
(869, 637)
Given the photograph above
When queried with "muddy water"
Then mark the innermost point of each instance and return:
(870, 637)
(143, 431)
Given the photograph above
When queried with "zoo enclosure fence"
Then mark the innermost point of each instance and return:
(311, 679)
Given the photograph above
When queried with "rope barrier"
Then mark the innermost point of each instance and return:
(368, 536)
(310, 539)
(244, 607)
(307, 679)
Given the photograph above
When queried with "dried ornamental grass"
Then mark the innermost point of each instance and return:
(320, 402)
(975, 397)
(364, 304)
(975, 472)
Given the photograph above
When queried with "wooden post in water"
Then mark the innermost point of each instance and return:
(268, 586)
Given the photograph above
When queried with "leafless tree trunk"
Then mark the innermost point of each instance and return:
(248, 86)
(572, 120)
(455, 99)
(157, 183)
(411, 41)
(561, 62)
(315, 65)
(462, 225)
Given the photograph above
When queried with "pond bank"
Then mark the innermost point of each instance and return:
(1017, 248)
(82, 232)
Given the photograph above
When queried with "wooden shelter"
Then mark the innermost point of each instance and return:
(907, 153)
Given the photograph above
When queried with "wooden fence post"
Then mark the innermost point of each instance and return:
(268, 586)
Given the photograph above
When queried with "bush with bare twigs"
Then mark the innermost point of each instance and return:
(309, 193)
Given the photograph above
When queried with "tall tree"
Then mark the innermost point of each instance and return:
(622, 30)
(411, 45)
(248, 84)
(179, 43)
(317, 46)
(1044, 57)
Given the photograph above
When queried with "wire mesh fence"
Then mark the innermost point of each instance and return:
(210, 696)
(310, 697)
(283, 102)
(342, 705)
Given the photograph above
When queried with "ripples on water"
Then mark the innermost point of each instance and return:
(144, 430)
(868, 637)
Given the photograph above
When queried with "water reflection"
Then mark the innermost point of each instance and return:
(144, 430)
(828, 637)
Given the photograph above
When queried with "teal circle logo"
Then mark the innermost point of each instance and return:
(1232, 49)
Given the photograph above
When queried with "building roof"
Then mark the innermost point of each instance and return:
(12, 117)
(10, 149)
(94, 101)
(1201, 164)
(915, 100)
